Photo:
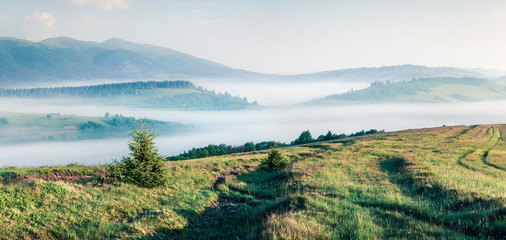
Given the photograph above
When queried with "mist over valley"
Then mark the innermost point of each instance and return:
(57, 117)
(125, 119)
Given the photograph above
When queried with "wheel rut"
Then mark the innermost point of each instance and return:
(485, 154)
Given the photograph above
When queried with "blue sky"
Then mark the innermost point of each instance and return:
(281, 36)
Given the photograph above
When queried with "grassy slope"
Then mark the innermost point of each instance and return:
(425, 90)
(430, 183)
(27, 127)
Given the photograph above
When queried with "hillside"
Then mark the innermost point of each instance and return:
(436, 183)
(162, 94)
(26, 63)
(23, 127)
(389, 73)
(423, 90)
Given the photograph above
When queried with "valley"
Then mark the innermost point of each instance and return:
(125, 119)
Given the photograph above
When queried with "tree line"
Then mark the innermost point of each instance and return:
(223, 149)
(305, 136)
(101, 90)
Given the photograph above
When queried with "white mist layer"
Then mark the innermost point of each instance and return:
(237, 127)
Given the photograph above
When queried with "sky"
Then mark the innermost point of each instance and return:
(282, 36)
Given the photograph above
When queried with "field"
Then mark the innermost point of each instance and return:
(447, 182)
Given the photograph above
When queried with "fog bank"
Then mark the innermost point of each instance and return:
(237, 127)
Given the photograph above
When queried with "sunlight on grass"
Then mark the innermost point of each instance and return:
(426, 183)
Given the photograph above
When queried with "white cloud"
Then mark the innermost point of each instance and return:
(42, 18)
(202, 21)
(4, 18)
(103, 4)
(87, 18)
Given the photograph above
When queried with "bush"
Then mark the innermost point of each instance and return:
(275, 160)
(145, 167)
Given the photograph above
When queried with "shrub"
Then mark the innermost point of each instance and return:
(145, 167)
(275, 160)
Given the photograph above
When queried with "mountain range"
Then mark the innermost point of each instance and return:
(392, 73)
(61, 60)
(66, 59)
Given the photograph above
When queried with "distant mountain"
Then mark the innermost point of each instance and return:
(58, 59)
(388, 73)
(422, 90)
(55, 60)
(489, 72)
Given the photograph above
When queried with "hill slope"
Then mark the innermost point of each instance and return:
(61, 58)
(163, 94)
(442, 183)
(23, 127)
(423, 90)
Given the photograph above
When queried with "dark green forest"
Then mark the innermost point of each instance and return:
(102, 90)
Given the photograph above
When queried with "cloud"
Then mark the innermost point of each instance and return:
(87, 18)
(42, 18)
(202, 21)
(103, 4)
(4, 18)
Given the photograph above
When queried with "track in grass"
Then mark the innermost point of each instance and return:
(485, 154)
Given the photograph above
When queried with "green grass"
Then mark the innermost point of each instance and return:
(419, 184)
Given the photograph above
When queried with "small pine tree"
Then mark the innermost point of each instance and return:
(275, 160)
(144, 167)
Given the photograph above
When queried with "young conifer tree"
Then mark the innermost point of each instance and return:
(144, 167)
(274, 160)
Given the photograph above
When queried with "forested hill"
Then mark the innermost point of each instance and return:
(102, 90)
(423, 90)
(152, 94)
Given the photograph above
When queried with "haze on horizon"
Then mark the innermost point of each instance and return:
(284, 37)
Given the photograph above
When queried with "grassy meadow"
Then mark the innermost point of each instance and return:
(447, 182)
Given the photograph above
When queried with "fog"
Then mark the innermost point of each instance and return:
(280, 93)
(273, 123)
